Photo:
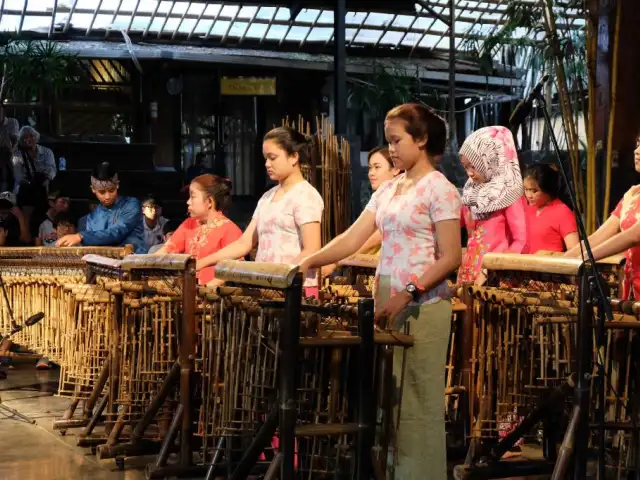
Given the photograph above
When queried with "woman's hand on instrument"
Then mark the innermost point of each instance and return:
(303, 266)
(69, 240)
(394, 306)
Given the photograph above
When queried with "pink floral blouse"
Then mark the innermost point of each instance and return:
(279, 222)
(407, 223)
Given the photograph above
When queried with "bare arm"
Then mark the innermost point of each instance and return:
(604, 233)
(25, 234)
(311, 240)
(618, 243)
(571, 240)
(237, 249)
(374, 241)
(344, 245)
(450, 247)
(161, 251)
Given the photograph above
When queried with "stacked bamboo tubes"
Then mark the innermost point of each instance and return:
(148, 350)
(329, 173)
(524, 331)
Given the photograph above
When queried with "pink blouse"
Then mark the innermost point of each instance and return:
(279, 236)
(503, 231)
(408, 226)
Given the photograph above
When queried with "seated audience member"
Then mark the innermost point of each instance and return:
(65, 225)
(58, 204)
(9, 129)
(34, 167)
(116, 222)
(168, 230)
(82, 223)
(4, 233)
(153, 221)
(16, 224)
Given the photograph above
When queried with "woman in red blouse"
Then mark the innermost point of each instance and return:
(206, 230)
(551, 225)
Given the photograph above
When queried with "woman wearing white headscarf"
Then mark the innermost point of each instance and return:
(493, 199)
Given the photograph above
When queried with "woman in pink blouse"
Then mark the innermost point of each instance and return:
(494, 205)
(418, 214)
(286, 222)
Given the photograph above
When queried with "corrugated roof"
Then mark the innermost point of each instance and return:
(223, 23)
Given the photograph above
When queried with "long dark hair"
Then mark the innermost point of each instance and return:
(549, 181)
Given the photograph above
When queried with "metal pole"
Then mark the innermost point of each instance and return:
(340, 68)
(583, 370)
(289, 341)
(453, 137)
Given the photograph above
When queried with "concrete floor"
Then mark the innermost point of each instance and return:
(36, 452)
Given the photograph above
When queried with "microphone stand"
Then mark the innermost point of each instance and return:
(576, 439)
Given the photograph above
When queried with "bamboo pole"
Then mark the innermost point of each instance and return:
(612, 117)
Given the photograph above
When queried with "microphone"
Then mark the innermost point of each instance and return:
(523, 109)
(32, 320)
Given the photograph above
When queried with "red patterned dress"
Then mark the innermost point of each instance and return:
(200, 239)
(628, 211)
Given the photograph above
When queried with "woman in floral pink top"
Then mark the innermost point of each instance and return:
(493, 198)
(621, 234)
(286, 222)
(418, 214)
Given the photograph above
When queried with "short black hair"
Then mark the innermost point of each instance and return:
(170, 226)
(151, 200)
(104, 171)
(64, 218)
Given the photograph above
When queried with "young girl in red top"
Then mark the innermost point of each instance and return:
(207, 230)
(493, 209)
(621, 234)
(551, 224)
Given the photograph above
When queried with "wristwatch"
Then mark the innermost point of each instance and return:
(414, 291)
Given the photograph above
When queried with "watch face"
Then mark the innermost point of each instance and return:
(411, 288)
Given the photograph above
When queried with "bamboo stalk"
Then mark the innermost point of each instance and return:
(612, 116)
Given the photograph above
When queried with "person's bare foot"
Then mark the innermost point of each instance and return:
(511, 454)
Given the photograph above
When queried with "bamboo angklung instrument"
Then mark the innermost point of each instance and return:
(523, 324)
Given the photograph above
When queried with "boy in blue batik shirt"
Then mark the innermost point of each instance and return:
(116, 222)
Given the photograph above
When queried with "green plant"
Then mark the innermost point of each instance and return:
(523, 36)
(383, 89)
(32, 68)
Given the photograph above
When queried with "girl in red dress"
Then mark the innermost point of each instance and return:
(551, 225)
(206, 230)
(621, 234)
